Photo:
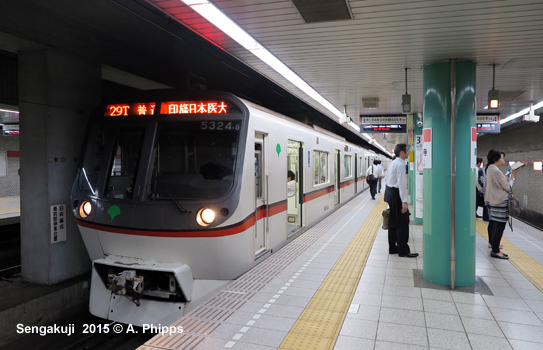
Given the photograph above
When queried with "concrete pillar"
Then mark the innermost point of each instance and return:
(56, 94)
(449, 173)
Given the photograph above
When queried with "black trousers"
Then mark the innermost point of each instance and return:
(495, 234)
(398, 224)
(373, 188)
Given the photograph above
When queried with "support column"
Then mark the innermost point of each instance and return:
(56, 94)
(449, 175)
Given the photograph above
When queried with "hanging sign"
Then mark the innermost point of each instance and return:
(383, 124)
(427, 148)
(488, 123)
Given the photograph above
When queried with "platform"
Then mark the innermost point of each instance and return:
(336, 287)
(10, 210)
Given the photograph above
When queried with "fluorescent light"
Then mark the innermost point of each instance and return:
(211, 13)
(221, 21)
(521, 113)
(9, 111)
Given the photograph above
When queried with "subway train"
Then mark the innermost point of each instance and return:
(179, 193)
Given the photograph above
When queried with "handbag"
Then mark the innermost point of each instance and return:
(513, 208)
(513, 205)
(479, 198)
(371, 178)
(386, 214)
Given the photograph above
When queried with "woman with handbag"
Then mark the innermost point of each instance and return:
(496, 195)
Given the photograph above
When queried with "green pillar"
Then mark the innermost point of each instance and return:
(449, 163)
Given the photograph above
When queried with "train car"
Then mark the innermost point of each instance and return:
(179, 193)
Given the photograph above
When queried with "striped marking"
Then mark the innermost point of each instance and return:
(528, 266)
(319, 325)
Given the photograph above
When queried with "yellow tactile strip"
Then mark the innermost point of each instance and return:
(522, 261)
(319, 325)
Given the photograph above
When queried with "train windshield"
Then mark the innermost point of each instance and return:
(112, 155)
(194, 160)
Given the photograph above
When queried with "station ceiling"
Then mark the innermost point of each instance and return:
(346, 50)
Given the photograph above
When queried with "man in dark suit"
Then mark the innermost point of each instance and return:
(398, 224)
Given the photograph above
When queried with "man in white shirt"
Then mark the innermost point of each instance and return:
(398, 224)
(377, 174)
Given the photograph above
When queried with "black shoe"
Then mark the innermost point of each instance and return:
(372, 197)
(494, 255)
(409, 255)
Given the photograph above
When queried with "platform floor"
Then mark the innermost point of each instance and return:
(10, 207)
(336, 287)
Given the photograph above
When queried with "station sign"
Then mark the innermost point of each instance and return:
(488, 123)
(396, 123)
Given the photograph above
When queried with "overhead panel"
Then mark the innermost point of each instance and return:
(322, 10)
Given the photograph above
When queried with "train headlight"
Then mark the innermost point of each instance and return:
(85, 209)
(205, 217)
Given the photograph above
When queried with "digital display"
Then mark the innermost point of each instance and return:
(9, 130)
(488, 123)
(399, 128)
(194, 107)
(124, 109)
(383, 124)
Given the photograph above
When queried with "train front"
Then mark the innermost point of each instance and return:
(156, 200)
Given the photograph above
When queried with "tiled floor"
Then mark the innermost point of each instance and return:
(388, 310)
(393, 314)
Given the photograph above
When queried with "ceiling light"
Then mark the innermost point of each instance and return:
(493, 95)
(211, 13)
(521, 113)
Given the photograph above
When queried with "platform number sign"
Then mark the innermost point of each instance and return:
(58, 223)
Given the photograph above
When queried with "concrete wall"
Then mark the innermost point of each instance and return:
(56, 95)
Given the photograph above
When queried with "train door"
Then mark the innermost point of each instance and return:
(261, 195)
(355, 173)
(295, 186)
(337, 177)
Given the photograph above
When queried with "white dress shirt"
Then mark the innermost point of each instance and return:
(395, 177)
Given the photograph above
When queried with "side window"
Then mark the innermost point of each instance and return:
(258, 170)
(348, 166)
(321, 167)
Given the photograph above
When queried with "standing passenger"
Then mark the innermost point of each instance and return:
(497, 192)
(479, 187)
(373, 170)
(398, 225)
(380, 167)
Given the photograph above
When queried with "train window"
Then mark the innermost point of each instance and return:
(194, 160)
(125, 163)
(347, 160)
(258, 170)
(321, 167)
(98, 150)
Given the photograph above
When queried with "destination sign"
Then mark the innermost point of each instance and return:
(194, 107)
(125, 109)
(383, 124)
